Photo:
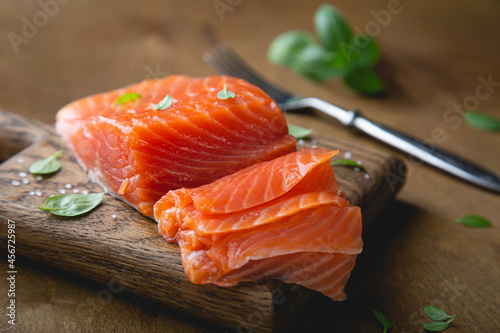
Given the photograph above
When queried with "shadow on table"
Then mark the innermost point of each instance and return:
(320, 314)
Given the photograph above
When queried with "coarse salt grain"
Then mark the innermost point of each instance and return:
(113, 216)
(62, 191)
(15, 182)
(20, 161)
(38, 177)
(32, 193)
(25, 181)
(38, 192)
(67, 186)
(22, 174)
(367, 176)
(347, 154)
(75, 190)
(357, 169)
(85, 192)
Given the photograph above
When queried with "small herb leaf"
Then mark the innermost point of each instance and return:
(436, 326)
(127, 97)
(165, 103)
(299, 132)
(474, 221)
(72, 204)
(436, 313)
(225, 94)
(482, 121)
(47, 165)
(382, 319)
(331, 27)
(350, 163)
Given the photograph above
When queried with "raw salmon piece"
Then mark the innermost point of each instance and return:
(285, 219)
(138, 153)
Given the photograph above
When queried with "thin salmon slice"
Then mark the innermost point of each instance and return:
(283, 219)
(139, 153)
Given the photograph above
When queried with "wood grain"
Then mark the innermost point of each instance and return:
(126, 252)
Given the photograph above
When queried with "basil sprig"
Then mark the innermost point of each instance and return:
(474, 221)
(47, 165)
(383, 320)
(225, 94)
(165, 103)
(350, 163)
(482, 121)
(441, 319)
(127, 97)
(340, 52)
(299, 132)
(69, 205)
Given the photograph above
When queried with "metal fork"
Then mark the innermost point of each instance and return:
(225, 61)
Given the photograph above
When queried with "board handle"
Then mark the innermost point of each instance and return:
(18, 133)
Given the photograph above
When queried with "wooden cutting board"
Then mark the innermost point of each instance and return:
(117, 246)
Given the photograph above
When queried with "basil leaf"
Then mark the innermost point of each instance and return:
(47, 165)
(435, 313)
(382, 319)
(165, 103)
(436, 326)
(284, 49)
(474, 221)
(350, 163)
(482, 121)
(364, 81)
(362, 52)
(127, 97)
(225, 94)
(72, 204)
(317, 64)
(299, 132)
(331, 27)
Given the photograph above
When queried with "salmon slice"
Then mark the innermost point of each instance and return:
(139, 153)
(284, 219)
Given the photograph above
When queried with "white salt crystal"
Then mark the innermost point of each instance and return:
(38, 177)
(367, 176)
(20, 161)
(32, 193)
(25, 181)
(348, 154)
(67, 186)
(15, 182)
(85, 192)
(113, 216)
(22, 174)
(38, 192)
(75, 190)
(62, 191)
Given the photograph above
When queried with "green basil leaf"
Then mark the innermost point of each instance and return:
(436, 313)
(127, 97)
(364, 81)
(299, 132)
(72, 204)
(47, 165)
(317, 64)
(474, 221)
(382, 319)
(350, 163)
(284, 49)
(165, 103)
(482, 121)
(362, 52)
(436, 326)
(225, 94)
(331, 27)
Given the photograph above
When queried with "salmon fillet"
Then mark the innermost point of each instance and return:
(283, 219)
(139, 153)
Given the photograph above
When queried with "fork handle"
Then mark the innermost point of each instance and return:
(441, 159)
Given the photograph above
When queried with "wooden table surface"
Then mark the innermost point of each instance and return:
(437, 57)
